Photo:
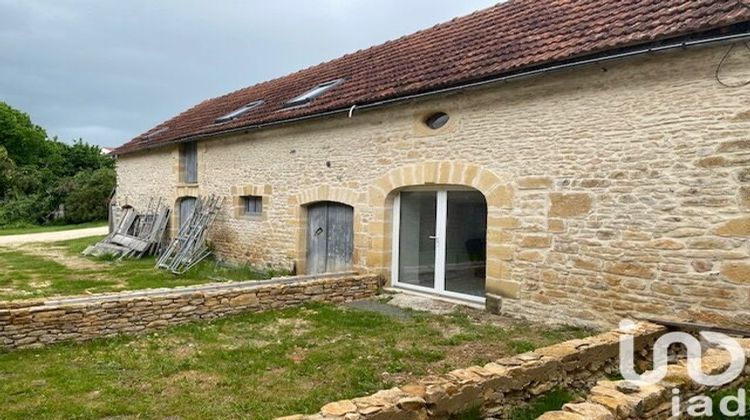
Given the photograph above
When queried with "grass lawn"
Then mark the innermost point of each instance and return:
(551, 401)
(21, 230)
(716, 397)
(255, 365)
(58, 269)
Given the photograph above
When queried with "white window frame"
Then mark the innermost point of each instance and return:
(238, 112)
(440, 244)
(313, 93)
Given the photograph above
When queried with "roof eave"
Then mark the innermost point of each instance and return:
(497, 79)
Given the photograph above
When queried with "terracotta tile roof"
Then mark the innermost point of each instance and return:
(508, 37)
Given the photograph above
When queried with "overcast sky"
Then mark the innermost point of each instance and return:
(108, 70)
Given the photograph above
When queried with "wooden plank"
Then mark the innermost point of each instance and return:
(127, 221)
(102, 249)
(340, 239)
(131, 242)
(317, 233)
(692, 326)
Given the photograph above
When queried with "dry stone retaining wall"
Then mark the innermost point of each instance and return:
(37, 323)
(498, 386)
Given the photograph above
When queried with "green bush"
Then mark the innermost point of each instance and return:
(88, 199)
(29, 209)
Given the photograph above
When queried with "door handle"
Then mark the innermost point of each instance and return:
(433, 237)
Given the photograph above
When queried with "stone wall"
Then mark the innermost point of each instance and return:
(37, 323)
(496, 387)
(610, 400)
(613, 190)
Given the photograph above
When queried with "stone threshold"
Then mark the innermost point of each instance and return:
(434, 296)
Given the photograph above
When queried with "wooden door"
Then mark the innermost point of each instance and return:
(187, 205)
(330, 237)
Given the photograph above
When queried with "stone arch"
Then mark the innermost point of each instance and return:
(326, 193)
(298, 204)
(497, 190)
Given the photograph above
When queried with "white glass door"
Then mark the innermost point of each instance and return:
(439, 242)
(417, 232)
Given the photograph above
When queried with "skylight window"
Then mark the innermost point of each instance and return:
(314, 92)
(240, 111)
(156, 132)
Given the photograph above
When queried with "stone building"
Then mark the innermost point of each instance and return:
(566, 161)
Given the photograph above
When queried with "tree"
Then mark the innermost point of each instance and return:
(25, 142)
(37, 174)
(7, 167)
(83, 156)
(89, 198)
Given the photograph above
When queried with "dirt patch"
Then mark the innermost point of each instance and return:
(176, 347)
(461, 356)
(296, 327)
(184, 352)
(17, 292)
(40, 284)
(484, 317)
(298, 355)
(257, 343)
(308, 311)
(228, 342)
(201, 381)
(470, 354)
(450, 331)
(60, 256)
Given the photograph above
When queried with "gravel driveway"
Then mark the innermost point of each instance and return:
(53, 236)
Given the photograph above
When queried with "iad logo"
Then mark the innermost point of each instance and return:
(694, 356)
(697, 405)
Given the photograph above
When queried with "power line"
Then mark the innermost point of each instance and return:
(724, 59)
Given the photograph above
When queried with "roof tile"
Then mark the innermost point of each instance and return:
(504, 38)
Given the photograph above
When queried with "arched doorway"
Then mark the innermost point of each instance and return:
(439, 241)
(330, 237)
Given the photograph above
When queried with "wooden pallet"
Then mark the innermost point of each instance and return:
(136, 234)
